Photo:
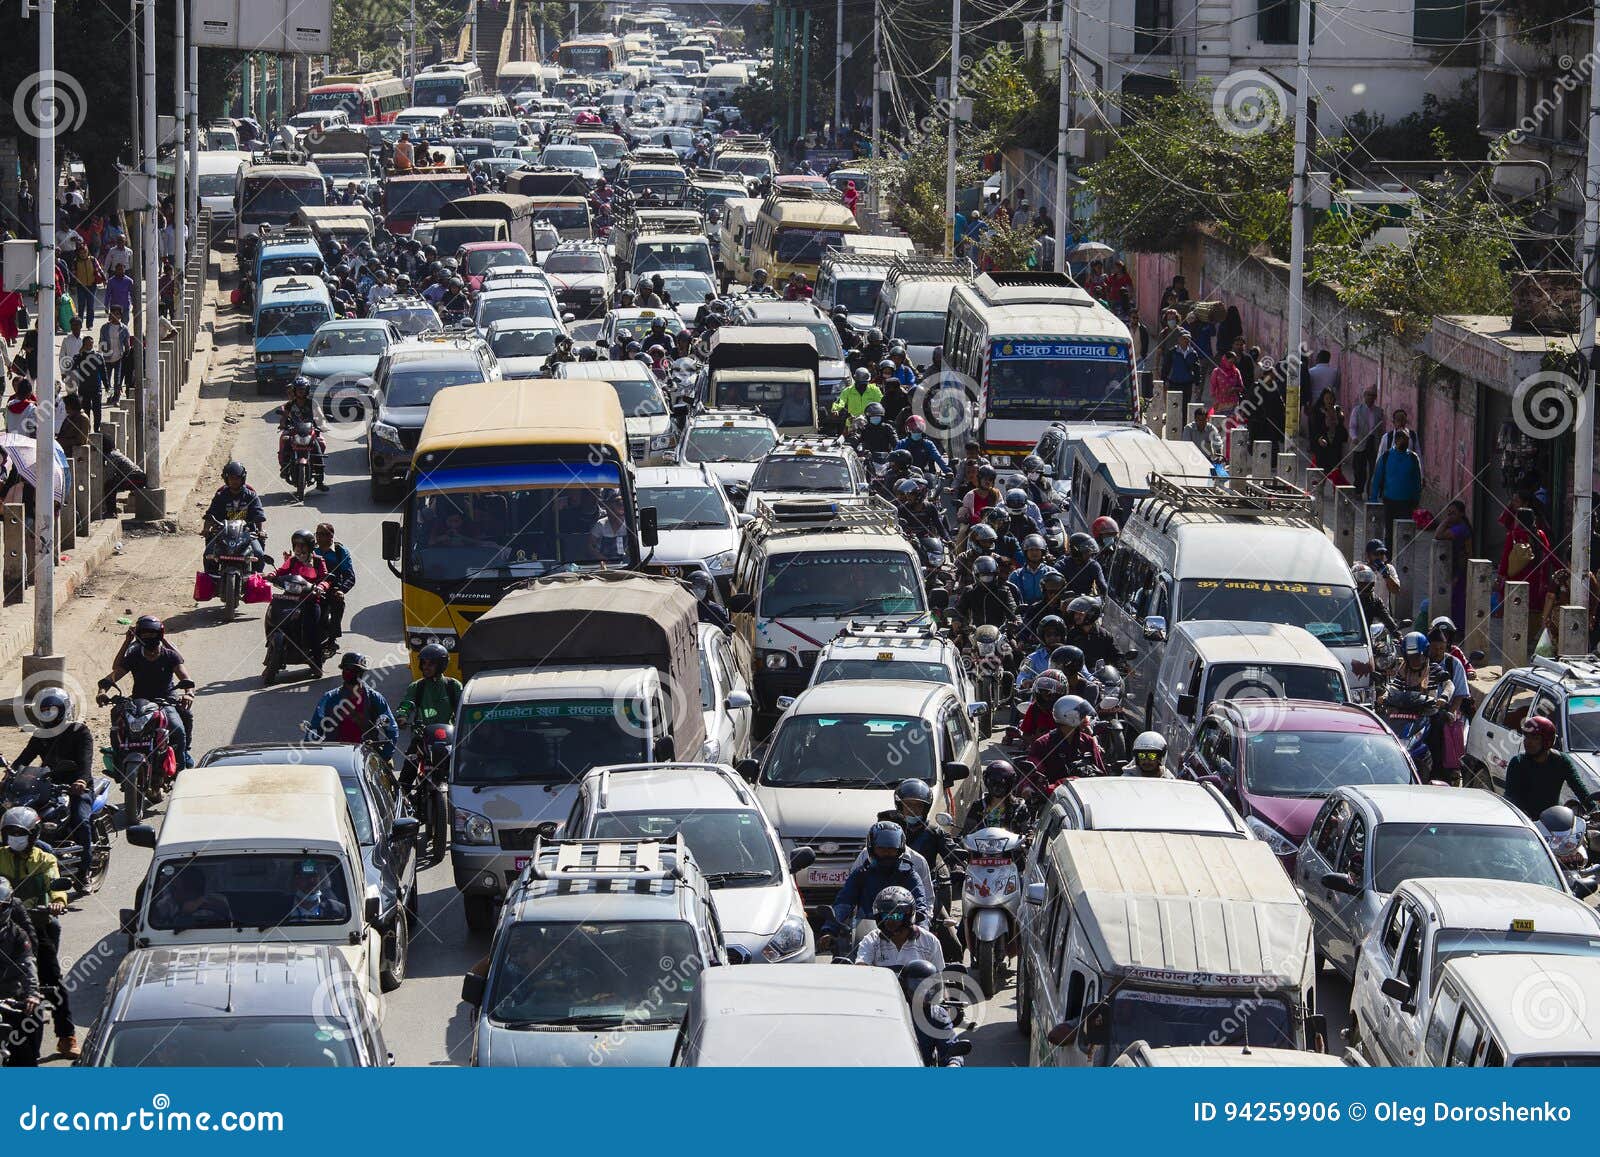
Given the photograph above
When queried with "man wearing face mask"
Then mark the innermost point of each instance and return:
(987, 602)
(913, 800)
(875, 436)
(924, 454)
(37, 884)
(355, 711)
(158, 672)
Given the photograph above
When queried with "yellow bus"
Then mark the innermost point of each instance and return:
(510, 481)
(795, 228)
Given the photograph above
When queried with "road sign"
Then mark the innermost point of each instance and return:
(299, 27)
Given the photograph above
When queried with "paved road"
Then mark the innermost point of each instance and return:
(425, 1023)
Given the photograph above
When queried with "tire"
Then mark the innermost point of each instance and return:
(396, 949)
(986, 958)
(99, 855)
(1024, 1000)
(299, 480)
(231, 582)
(438, 830)
(480, 913)
(132, 800)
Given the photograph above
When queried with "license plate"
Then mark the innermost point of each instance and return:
(520, 862)
(825, 877)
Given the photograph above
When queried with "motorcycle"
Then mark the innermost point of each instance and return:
(32, 787)
(295, 609)
(235, 558)
(991, 902)
(431, 748)
(1110, 725)
(300, 449)
(1410, 712)
(141, 755)
(988, 657)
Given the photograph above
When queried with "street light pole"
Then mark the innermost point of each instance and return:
(1583, 458)
(149, 292)
(877, 86)
(1295, 355)
(180, 158)
(1063, 124)
(44, 505)
(194, 136)
(838, 71)
(950, 134)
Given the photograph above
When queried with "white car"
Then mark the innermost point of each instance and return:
(498, 301)
(1564, 691)
(807, 468)
(644, 408)
(523, 343)
(725, 696)
(731, 443)
(583, 276)
(579, 157)
(1431, 921)
(912, 651)
(751, 879)
(698, 527)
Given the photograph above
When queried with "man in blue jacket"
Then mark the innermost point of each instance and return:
(1397, 481)
(887, 866)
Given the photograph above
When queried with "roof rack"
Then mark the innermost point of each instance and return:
(1241, 497)
(602, 865)
(834, 256)
(891, 629)
(288, 233)
(804, 193)
(811, 515)
(929, 268)
(1579, 668)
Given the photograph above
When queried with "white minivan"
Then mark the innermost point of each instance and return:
(216, 175)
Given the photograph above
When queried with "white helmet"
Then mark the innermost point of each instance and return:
(1071, 710)
(1150, 741)
(1363, 574)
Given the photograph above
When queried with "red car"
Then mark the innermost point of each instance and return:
(1276, 760)
(477, 256)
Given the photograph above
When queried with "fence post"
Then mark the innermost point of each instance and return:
(1173, 423)
(1403, 556)
(1286, 468)
(67, 520)
(1313, 487)
(1515, 645)
(1344, 519)
(1440, 578)
(1480, 582)
(1238, 452)
(1374, 527)
(1573, 632)
(94, 477)
(14, 535)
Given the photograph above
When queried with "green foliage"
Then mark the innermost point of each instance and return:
(910, 179)
(1008, 247)
(757, 99)
(1035, 67)
(365, 31)
(1000, 91)
(1443, 129)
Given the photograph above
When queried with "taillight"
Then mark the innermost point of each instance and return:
(441, 733)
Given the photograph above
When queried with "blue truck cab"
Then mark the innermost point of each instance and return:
(285, 253)
(288, 311)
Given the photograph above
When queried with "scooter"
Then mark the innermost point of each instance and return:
(991, 901)
(432, 748)
(989, 659)
(33, 787)
(141, 755)
(1110, 726)
(286, 629)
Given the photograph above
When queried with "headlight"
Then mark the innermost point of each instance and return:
(471, 828)
(421, 639)
(721, 561)
(1271, 836)
(385, 433)
(786, 941)
(774, 660)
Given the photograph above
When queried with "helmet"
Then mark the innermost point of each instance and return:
(914, 975)
(5, 898)
(913, 791)
(1564, 830)
(999, 777)
(1071, 710)
(1051, 579)
(874, 410)
(998, 517)
(901, 459)
(53, 706)
(354, 661)
(234, 470)
(301, 382)
(906, 487)
(588, 354)
(700, 583)
(21, 819)
(1377, 546)
(759, 276)
(986, 471)
(303, 535)
(1540, 726)
(886, 834)
(641, 356)
(624, 334)
(863, 375)
(1416, 643)
(916, 424)
(1149, 741)
(984, 537)
(985, 567)
(1085, 605)
(1363, 575)
(1049, 682)
(1067, 658)
(840, 311)
(1034, 542)
(1105, 527)
(1053, 623)
(874, 334)
(1083, 542)
(1445, 624)
(1033, 464)
(658, 323)
(1016, 499)
(633, 348)
(885, 364)
(894, 905)
(432, 653)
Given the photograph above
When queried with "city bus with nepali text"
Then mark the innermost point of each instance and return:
(591, 54)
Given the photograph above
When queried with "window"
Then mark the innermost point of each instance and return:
(1409, 967)
(1439, 21)
(1494, 1057)
(1329, 828)
(1278, 21)
(1152, 32)
(1077, 987)
(1468, 1034)
(1511, 706)
(1393, 925)
(1444, 1014)
(1352, 856)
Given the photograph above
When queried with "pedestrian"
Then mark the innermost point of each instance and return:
(118, 253)
(114, 346)
(1095, 282)
(1525, 555)
(1226, 385)
(1396, 481)
(1182, 368)
(120, 290)
(1366, 426)
(73, 346)
(1119, 282)
(1245, 363)
(87, 277)
(1399, 421)
(1322, 375)
(1179, 288)
(22, 408)
(1231, 330)
(1452, 527)
(75, 430)
(1327, 433)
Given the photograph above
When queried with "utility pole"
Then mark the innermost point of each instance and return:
(194, 136)
(1295, 355)
(474, 17)
(877, 90)
(950, 134)
(1063, 125)
(838, 73)
(44, 506)
(411, 49)
(153, 503)
(805, 72)
(1583, 459)
(180, 156)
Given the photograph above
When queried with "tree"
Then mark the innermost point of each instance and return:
(910, 178)
(1007, 247)
(1000, 92)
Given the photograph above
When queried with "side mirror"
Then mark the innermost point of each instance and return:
(748, 769)
(404, 828)
(1155, 627)
(142, 836)
(744, 519)
(391, 542)
(945, 820)
(1035, 892)
(1341, 884)
(1187, 704)
(1396, 989)
(372, 910)
(738, 700)
(472, 988)
(740, 604)
(976, 709)
(955, 772)
(1477, 657)
(801, 859)
(649, 533)
(128, 920)
(939, 598)
(669, 457)
(784, 702)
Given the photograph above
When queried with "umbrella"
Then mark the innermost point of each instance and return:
(22, 452)
(1089, 251)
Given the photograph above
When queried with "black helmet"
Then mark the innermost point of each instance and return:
(701, 584)
(999, 777)
(894, 905)
(354, 661)
(914, 978)
(913, 791)
(1067, 658)
(906, 487)
(303, 535)
(1052, 623)
(901, 459)
(1016, 500)
(149, 624)
(840, 311)
(1085, 605)
(432, 653)
(234, 470)
(886, 834)
(985, 567)
(1035, 542)
(985, 470)
(1033, 464)
(1083, 541)
(875, 410)
(983, 536)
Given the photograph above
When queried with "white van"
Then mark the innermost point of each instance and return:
(1214, 659)
(1240, 550)
(915, 302)
(1166, 938)
(1482, 1015)
(258, 853)
(217, 174)
(853, 280)
(1110, 471)
(733, 239)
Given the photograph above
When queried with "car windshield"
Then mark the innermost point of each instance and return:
(849, 751)
(748, 167)
(575, 261)
(290, 320)
(1310, 764)
(424, 196)
(649, 257)
(570, 157)
(249, 891)
(805, 246)
(832, 670)
(788, 404)
(217, 184)
(1273, 681)
(1583, 723)
(606, 148)
(1164, 1019)
(1044, 387)
(1450, 943)
(1331, 613)
(594, 974)
(222, 1042)
(732, 848)
(499, 306)
(566, 217)
(803, 474)
(638, 399)
(437, 91)
(338, 342)
(1477, 851)
(523, 343)
(344, 167)
(276, 198)
(410, 386)
(837, 584)
(728, 443)
(480, 259)
(409, 319)
(686, 507)
(687, 287)
(860, 294)
(918, 328)
(543, 740)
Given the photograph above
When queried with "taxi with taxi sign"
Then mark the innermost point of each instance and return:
(636, 321)
(893, 650)
(730, 443)
(807, 468)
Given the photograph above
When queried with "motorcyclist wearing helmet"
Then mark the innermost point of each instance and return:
(356, 711)
(37, 885)
(19, 981)
(937, 1037)
(1377, 611)
(913, 801)
(1001, 806)
(924, 454)
(1033, 480)
(158, 675)
(918, 520)
(1448, 625)
(1023, 514)
(857, 395)
(896, 400)
(1070, 661)
(873, 434)
(1536, 775)
(63, 744)
(703, 586)
(1039, 718)
(1062, 753)
(988, 601)
(897, 940)
(981, 540)
(1051, 632)
(430, 699)
(1083, 571)
(299, 410)
(1052, 601)
(1028, 579)
(620, 347)
(1418, 673)
(1149, 757)
(235, 500)
(872, 350)
(302, 561)
(562, 352)
(1085, 632)
(888, 866)
(759, 286)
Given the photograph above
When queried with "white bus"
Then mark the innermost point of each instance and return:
(442, 85)
(1038, 350)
